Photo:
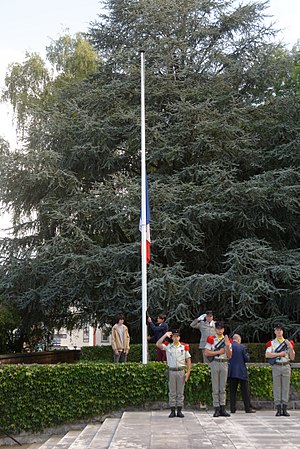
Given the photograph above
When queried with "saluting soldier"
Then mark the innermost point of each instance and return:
(177, 356)
(281, 370)
(219, 368)
(206, 325)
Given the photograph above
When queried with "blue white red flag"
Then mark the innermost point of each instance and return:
(148, 241)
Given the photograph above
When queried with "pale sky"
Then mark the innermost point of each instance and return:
(29, 25)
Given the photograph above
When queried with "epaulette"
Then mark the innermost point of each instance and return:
(230, 339)
(292, 343)
(210, 339)
(186, 346)
(166, 343)
(269, 343)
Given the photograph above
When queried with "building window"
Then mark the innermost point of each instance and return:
(86, 333)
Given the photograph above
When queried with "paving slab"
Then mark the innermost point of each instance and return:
(199, 430)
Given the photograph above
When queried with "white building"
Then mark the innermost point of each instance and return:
(87, 336)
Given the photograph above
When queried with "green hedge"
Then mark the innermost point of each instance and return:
(105, 354)
(34, 397)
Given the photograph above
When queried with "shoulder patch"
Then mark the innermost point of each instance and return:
(268, 344)
(292, 343)
(210, 339)
(166, 343)
(186, 346)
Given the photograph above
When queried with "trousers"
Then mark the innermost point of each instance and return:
(176, 388)
(120, 358)
(233, 385)
(218, 372)
(281, 383)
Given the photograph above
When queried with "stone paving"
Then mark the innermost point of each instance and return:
(154, 430)
(198, 430)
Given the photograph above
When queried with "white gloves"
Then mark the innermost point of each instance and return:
(202, 317)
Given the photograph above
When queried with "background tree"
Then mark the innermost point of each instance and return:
(9, 324)
(223, 162)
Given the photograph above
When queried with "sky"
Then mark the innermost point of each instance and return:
(29, 25)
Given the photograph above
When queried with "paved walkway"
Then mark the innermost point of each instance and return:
(154, 430)
(198, 430)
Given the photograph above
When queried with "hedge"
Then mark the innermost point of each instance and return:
(105, 354)
(34, 397)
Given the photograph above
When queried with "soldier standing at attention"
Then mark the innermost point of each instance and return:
(281, 370)
(219, 368)
(177, 356)
(206, 325)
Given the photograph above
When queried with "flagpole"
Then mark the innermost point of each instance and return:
(143, 217)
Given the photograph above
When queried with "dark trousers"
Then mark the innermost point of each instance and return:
(161, 355)
(120, 358)
(233, 385)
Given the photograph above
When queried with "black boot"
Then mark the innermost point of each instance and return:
(284, 410)
(223, 411)
(172, 414)
(217, 412)
(179, 412)
(278, 408)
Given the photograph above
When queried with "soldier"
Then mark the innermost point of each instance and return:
(218, 368)
(281, 370)
(206, 325)
(177, 355)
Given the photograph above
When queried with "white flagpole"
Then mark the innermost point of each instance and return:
(143, 207)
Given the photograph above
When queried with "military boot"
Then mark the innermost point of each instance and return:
(223, 412)
(217, 412)
(284, 410)
(278, 408)
(172, 414)
(179, 412)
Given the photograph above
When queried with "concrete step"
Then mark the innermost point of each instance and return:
(85, 437)
(49, 444)
(62, 442)
(104, 435)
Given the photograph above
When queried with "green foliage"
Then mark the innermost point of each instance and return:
(295, 380)
(38, 396)
(26, 85)
(104, 353)
(9, 322)
(72, 57)
(260, 382)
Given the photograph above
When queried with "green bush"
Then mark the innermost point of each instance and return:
(105, 354)
(34, 397)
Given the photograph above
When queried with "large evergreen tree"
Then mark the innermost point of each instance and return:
(223, 162)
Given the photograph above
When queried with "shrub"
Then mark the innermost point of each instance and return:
(105, 354)
(38, 396)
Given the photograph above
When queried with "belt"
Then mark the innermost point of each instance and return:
(220, 360)
(282, 363)
(176, 369)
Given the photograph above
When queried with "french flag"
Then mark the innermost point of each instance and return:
(148, 241)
